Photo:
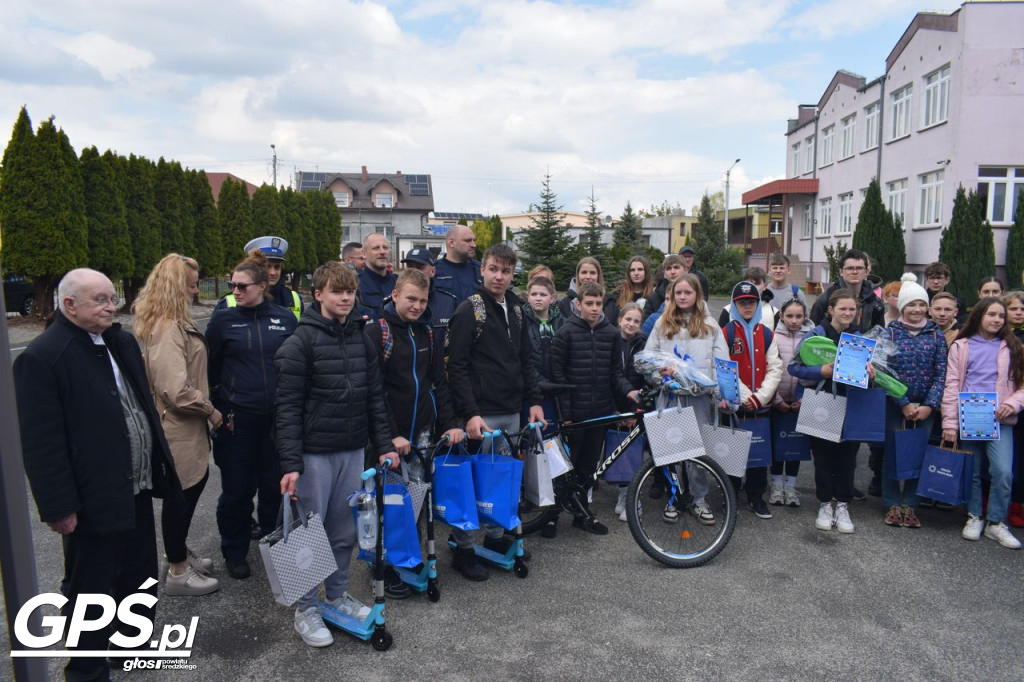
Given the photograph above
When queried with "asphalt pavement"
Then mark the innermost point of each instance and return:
(783, 601)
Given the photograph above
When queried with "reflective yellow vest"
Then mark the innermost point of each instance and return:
(295, 307)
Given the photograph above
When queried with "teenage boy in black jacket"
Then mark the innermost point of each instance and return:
(329, 404)
(490, 368)
(587, 353)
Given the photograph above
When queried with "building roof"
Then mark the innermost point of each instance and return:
(772, 192)
(933, 21)
(415, 192)
(217, 179)
(842, 77)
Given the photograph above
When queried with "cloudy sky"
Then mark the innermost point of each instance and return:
(643, 100)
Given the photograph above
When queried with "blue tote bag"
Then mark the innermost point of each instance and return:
(942, 474)
(904, 451)
(454, 496)
(760, 440)
(401, 536)
(498, 480)
(788, 445)
(622, 470)
(865, 415)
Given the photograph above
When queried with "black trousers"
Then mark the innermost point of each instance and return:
(176, 519)
(116, 564)
(756, 482)
(790, 467)
(833, 469)
(248, 464)
(586, 447)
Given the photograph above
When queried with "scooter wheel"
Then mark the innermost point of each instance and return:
(520, 569)
(382, 640)
(434, 594)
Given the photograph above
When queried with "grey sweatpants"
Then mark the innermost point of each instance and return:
(465, 539)
(324, 488)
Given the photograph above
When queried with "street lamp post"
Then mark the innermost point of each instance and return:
(725, 220)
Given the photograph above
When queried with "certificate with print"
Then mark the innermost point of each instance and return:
(853, 355)
(728, 380)
(977, 412)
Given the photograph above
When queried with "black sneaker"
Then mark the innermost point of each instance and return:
(466, 563)
(590, 524)
(875, 487)
(760, 509)
(393, 585)
(502, 545)
(859, 495)
(255, 532)
(238, 568)
(550, 529)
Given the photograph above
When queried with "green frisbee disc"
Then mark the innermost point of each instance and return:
(817, 350)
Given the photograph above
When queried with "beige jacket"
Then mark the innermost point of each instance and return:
(176, 357)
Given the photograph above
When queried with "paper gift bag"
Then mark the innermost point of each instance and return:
(297, 556)
(498, 480)
(760, 440)
(728, 446)
(559, 461)
(822, 414)
(537, 486)
(673, 435)
(904, 451)
(942, 474)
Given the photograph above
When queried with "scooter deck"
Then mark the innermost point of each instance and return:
(506, 561)
(361, 628)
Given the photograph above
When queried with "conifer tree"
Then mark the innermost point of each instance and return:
(592, 244)
(110, 249)
(548, 241)
(487, 232)
(326, 224)
(1015, 246)
(967, 247)
(234, 215)
(877, 233)
(298, 232)
(720, 264)
(267, 211)
(139, 182)
(17, 216)
(209, 251)
(629, 231)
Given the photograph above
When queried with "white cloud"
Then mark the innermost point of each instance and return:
(113, 59)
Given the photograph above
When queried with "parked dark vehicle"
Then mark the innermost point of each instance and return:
(19, 295)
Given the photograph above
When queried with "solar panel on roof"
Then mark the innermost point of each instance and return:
(418, 189)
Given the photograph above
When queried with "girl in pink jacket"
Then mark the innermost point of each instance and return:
(987, 357)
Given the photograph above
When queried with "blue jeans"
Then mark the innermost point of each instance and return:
(1000, 471)
(900, 492)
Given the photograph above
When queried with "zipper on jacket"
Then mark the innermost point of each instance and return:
(416, 381)
(263, 365)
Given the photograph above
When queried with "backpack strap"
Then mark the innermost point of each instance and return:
(479, 314)
(796, 291)
(387, 342)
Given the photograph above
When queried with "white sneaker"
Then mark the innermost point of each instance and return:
(792, 497)
(844, 524)
(973, 527)
(620, 505)
(1001, 534)
(671, 514)
(191, 583)
(311, 628)
(776, 497)
(348, 604)
(826, 517)
(702, 511)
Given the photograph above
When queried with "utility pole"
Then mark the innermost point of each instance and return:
(725, 219)
(274, 147)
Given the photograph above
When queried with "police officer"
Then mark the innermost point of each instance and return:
(458, 272)
(274, 248)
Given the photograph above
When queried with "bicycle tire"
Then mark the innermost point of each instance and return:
(685, 542)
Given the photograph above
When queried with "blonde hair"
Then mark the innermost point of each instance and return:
(591, 261)
(675, 319)
(163, 296)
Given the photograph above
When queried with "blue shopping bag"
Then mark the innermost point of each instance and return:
(788, 445)
(622, 470)
(401, 536)
(865, 415)
(498, 480)
(904, 452)
(942, 474)
(454, 496)
(760, 440)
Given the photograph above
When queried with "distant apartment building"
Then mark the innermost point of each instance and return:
(391, 204)
(658, 236)
(947, 112)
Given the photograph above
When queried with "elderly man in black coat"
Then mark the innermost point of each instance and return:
(94, 452)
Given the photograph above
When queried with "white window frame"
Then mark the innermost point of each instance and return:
(825, 217)
(935, 109)
(899, 110)
(809, 154)
(384, 200)
(827, 145)
(846, 142)
(871, 118)
(341, 199)
(929, 208)
(845, 213)
(896, 198)
(796, 159)
(1008, 185)
(808, 222)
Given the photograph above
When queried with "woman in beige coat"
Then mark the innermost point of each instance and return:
(176, 356)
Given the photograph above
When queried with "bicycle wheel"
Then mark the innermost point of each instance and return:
(678, 536)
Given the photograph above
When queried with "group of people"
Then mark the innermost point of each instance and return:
(296, 397)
